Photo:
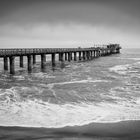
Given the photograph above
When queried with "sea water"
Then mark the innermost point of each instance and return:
(106, 89)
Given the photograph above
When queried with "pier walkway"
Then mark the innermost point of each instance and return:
(65, 54)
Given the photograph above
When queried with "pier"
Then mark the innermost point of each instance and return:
(65, 54)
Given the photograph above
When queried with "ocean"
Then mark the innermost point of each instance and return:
(103, 90)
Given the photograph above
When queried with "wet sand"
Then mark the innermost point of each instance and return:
(127, 130)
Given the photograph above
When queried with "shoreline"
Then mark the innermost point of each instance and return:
(124, 130)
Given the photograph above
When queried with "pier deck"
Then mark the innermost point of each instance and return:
(30, 53)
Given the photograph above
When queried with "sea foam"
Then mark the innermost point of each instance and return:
(130, 69)
(38, 113)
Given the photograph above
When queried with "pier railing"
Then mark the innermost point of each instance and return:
(69, 53)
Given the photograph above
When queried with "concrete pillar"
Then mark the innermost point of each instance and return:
(21, 61)
(117, 50)
(74, 56)
(61, 56)
(91, 54)
(5, 60)
(12, 64)
(79, 55)
(69, 56)
(53, 59)
(94, 53)
(34, 59)
(84, 55)
(43, 60)
(66, 58)
(99, 53)
(29, 63)
(88, 55)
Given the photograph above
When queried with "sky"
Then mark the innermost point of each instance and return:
(69, 23)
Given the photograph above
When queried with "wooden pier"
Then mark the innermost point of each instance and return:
(65, 54)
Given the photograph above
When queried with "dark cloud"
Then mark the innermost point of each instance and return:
(121, 14)
(99, 20)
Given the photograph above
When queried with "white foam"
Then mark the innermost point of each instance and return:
(130, 69)
(89, 80)
(120, 69)
(42, 75)
(19, 77)
(37, 113)
(133, 58)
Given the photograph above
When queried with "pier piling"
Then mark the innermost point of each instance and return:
(12, 64)
(53, 59)
(5, 63)
(66, 58)
(79, 55)
(34, 59)
(84, 55)
(75, 56)
(43, 60)
(21, 61)
(69, 56)
(29, 63)
(61, 56)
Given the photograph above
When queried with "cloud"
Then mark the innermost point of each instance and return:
(41, 22)
(62, 35)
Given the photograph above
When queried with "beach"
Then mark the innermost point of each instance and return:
(128, 130)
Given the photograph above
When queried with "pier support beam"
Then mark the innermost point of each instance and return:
(94, 53)
(61, 55)
(84, 55)
(5, 60)
(117, 50)
(66, 56)
(29, 61)
(91, 53)
(79, 55)
(34, 59)
(53, 59)
(99, 53)
(74, 56)
(69, 56)
(43, 60)
(88, 55)
(21, 61)
(12, 64)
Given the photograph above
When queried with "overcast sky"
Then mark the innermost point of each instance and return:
(65, 23)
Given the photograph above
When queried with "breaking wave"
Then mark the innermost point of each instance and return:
(18, 111)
